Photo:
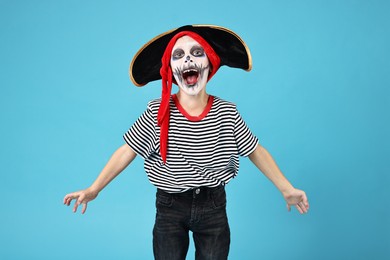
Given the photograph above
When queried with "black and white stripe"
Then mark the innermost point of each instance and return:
(200, 153)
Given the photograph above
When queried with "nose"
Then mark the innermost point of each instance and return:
(188, 58)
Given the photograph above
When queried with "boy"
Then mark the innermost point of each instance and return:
(190, 142)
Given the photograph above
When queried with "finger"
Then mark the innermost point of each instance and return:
(305, 201)
(299, 208)
(307, 208)
(75, 206)
(79, 201)
(288, 207)
(69, 197)
(68, 200)
(305, 204)
(84, 208)
(303, 207)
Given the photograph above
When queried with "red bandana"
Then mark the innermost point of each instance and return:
(166, 75)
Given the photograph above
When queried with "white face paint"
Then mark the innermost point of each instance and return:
(190, 65)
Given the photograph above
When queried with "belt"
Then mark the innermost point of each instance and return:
(194, 192)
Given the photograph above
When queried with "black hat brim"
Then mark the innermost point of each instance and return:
(232, 50)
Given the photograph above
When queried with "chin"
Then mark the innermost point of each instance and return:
(191, 90)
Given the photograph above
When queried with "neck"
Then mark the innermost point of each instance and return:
(194, 105)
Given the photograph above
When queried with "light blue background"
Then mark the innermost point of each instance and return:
(317, 98)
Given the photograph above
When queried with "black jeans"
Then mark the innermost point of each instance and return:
(201, 210)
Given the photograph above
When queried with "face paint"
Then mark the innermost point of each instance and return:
(190, 65)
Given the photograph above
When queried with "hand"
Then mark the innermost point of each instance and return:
(298, 199)
(81, 197)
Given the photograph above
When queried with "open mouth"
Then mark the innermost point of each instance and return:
(190, 76)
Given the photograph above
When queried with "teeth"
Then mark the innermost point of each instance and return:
(190, 70)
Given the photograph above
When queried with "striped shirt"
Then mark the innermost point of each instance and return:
(202, 151)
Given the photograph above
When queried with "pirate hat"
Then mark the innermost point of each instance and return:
(231, 49)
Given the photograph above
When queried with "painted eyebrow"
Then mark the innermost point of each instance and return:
(197, 47)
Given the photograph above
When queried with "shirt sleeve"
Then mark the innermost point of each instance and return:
(141, 137)
(246, 142)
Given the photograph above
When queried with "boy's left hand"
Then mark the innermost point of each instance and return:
(297, 198)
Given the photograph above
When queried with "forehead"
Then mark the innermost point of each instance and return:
(185, 41)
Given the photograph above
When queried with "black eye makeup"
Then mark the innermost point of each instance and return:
(197, 51)
(177, 54)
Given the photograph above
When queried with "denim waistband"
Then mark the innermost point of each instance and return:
(194, 192)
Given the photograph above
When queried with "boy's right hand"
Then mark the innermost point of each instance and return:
(81, 197)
